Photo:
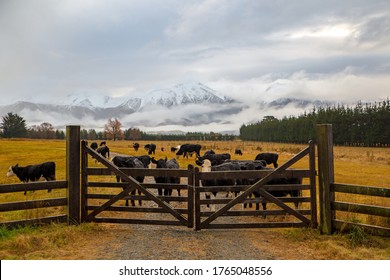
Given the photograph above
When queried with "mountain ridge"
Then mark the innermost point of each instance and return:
(182, 106)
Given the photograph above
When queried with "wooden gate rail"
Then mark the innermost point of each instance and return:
(381, 211)
(130, 185)
(33, 204)
(260, 187)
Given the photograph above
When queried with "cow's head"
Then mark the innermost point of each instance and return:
(161, 163)
(11, 171)
(206, 165)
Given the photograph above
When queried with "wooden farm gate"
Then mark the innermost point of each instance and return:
(228, 216)
(103, 201)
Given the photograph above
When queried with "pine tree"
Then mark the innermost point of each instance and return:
(13, 126)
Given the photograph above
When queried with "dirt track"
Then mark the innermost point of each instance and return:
(166, 243)
(140, 242)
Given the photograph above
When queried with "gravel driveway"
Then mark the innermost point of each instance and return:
(142, 242)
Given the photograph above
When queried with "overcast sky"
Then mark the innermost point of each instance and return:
(337, 50)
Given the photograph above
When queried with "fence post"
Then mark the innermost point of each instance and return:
(73, 173)
(313, 190)
(190, 196)
(325, 176)
(197, 198)
(84, 181)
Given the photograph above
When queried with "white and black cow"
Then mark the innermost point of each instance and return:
(151, 148)
(269, 158)
(129, 162)
(187, 149)
(33, 173)
(215, 159)
(170, 164)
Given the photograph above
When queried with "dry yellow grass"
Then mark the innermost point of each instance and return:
(362, 166)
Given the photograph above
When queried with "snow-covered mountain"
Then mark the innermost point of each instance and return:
(190, 106)
(183, 94)
(182, 104)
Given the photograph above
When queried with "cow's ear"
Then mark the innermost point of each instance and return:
(153, 160)
(16, 165)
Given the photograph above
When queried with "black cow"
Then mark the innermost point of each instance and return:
(281, 193)
(215, 159)
(33, 173)
(186, 149)
(129, 162)
(238, 152)
(104, 151)
(136, 146)
(249, 164)
(145, 159)
(275, 181)
(170, 164)
(268, 158)
(151, 148)
(94, 145)
(209, 152)
(226, 166)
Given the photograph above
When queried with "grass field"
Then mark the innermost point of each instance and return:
(353, 165)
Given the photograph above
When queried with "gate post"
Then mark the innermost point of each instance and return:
(325, 176)
(190, 202)
(73, 173)
(197, 198)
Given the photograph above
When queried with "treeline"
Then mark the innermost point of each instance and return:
(189, 136)
(135, 134)
(361, 125)
(14, 126)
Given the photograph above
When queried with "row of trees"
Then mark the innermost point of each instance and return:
(14, 126)
(361, 125)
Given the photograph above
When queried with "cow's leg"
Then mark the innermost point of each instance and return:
(48, 178)
(250, 204)
(140, 200)
(214, 206)
(132, 200)
(264, 204)
(127, 201)
(208, 195)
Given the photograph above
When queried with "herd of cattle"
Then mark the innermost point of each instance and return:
(209, 161)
